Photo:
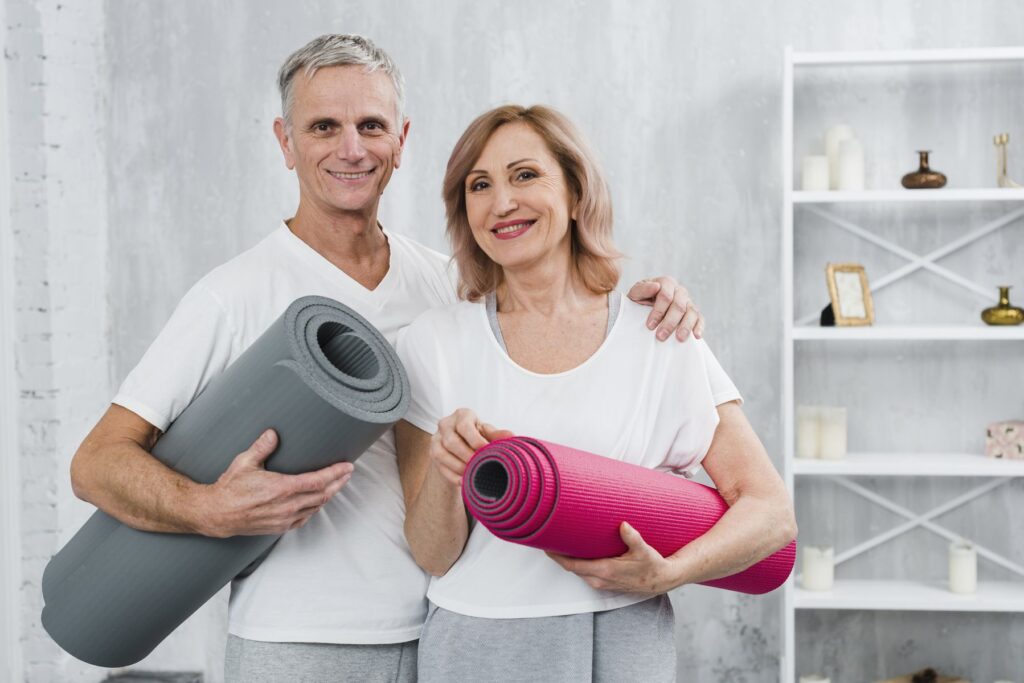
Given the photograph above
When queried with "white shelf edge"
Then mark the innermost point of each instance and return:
(969, 194)
(911, 596)
(909, 333)
(965, 55)
(909, 465)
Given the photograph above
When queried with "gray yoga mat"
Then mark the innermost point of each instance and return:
(325, 379)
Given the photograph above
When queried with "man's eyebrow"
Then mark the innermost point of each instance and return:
(323, 119)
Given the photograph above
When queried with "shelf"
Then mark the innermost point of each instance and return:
(992, 596)
(909, 465)
(979, 194)
(963, 55)
(910, 333)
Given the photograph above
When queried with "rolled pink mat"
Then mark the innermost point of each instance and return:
(571, 502)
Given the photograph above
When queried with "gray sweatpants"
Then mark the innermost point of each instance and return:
(255, 661)
(634, 643)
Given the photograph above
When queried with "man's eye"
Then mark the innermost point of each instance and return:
(373, 127)
(322, 128)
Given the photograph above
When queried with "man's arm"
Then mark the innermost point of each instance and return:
(672, 309)
(114, 470)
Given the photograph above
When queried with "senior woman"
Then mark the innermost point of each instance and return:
(543, 345)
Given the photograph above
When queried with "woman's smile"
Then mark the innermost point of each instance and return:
(509, 230)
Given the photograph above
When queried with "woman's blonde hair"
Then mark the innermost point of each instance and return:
(593, 253)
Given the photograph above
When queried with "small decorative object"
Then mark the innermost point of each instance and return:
(1002, 179)
(851, 165)
(815, 174)
(815, 678)
(963, 567)
(924, 177)
(850, 295)
(808, 429)
(832, 433)
(818, 568)
(928, 675)
(828, 317)
(833, 136)
(1005, 440)
(1003, 313)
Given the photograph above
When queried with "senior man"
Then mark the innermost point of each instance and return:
(340, 597)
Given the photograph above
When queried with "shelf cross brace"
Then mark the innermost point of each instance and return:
(923, 520)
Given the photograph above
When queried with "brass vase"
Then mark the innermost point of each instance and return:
(924, 177)
(1004, 313)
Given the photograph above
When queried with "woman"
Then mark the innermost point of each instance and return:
(544, 346)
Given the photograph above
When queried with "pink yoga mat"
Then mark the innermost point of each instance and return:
(557, 498)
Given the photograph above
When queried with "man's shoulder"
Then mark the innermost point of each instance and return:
(244, 271)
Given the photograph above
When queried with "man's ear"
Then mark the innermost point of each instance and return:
(281, 132)
(402, 135)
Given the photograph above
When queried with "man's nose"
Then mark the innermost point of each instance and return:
(350, 147)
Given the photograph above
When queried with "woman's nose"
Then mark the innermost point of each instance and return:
(505, 201)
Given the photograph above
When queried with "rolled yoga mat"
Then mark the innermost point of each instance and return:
(325, 379)
(571, 502)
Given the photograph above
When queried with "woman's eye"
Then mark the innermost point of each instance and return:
(525, 175)
(478, 185)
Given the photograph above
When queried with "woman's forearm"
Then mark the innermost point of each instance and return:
(751, 530)
(436, 525)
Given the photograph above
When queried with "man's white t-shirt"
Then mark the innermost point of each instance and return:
(347, 576)
(635, 399)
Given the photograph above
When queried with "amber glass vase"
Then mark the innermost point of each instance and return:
(924, 177)
(1003, 313)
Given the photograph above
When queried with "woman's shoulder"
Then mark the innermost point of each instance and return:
(632, 325)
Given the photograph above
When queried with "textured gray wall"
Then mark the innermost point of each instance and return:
(682, 101)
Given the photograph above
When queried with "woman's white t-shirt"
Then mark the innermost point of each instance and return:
(635, 399)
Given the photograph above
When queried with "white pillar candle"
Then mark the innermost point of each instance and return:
(833, 136)
(832, 434)
(818, 568)
(815, 678)
(808, 424)
(815, 174)
(963, 567)
(851, 165)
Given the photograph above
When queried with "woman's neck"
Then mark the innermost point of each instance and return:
(547, 289)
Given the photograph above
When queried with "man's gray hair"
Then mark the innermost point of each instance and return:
(337, 50)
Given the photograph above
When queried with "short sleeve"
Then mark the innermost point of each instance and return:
(417, 349)
(697, 431)
(196, 345)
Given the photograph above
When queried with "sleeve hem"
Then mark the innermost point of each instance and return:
(151, 416)
(420, 422)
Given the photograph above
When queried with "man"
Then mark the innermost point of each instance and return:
(340, 595)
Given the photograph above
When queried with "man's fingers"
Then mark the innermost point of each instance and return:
(661, 305)
(643, 291)
(689, 323)
(671, 321)
(319, 480)
(260, 450)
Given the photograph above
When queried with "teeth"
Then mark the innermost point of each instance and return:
(350, 176)
(511, 228)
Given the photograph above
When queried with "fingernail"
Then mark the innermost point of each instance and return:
(651, 324)
(662, 335)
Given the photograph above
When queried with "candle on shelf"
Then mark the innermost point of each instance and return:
(833, 136)
(818, 568)
(815, 678)
(815, 174)
(963, 567)
(832, 433)
(851, 165)
(808, 424)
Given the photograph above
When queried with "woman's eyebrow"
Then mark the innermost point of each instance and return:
(510, 165)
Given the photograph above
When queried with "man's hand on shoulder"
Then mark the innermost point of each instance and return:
(672, 309)
(248, 500)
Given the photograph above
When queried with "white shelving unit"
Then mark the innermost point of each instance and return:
(801, 331)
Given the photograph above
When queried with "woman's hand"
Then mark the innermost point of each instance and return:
(641, 569)
(672, 309)
(457, 438)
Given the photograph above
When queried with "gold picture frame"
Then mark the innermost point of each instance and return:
(850, 295)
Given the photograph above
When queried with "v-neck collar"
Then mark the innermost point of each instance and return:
(377, 296)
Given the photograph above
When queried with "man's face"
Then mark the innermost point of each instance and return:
(343, 139)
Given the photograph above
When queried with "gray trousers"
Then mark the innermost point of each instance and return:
(634, 643)
(255, 661)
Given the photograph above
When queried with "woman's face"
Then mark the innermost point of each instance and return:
(517, 200)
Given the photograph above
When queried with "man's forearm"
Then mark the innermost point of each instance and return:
(131, 485)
